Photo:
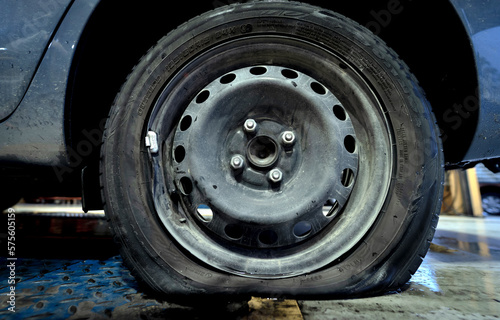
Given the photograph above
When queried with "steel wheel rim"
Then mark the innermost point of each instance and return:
(251, 195)
(271, 260)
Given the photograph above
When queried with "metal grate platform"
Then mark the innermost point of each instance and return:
(60, 289)
(67, 267)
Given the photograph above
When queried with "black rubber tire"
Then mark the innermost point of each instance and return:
(382, 258)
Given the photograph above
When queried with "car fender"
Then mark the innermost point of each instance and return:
(481, 21)
(34, 133)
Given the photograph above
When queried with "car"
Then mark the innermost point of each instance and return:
(270, 148)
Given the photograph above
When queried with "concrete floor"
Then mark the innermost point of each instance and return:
(459, 279)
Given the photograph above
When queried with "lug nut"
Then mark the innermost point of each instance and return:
(250, 126)
(237, 162)
(288, 138)
(275, 176)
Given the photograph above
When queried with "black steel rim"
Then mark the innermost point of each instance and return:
(246, 141)
(259, 171)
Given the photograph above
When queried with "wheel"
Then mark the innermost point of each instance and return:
(491, 201)
(271, 148)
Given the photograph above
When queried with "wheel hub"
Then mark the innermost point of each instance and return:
(262, 151)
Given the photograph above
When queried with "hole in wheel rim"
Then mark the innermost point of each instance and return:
(268, 237)
(186, 123)
(233, 231)
(228, 78)
(179, 154)
(203, 96)
(186, 185)
(331, 208)
(347, 177)
(257, 71)
(350, 144)
(318, 88)
(339, 112)
(302, 229)
(205, 213)
(289, 74)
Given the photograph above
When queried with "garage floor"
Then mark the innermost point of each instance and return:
(68, 267)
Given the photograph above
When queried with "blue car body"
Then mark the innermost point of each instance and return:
(481, 20)
(62, 61)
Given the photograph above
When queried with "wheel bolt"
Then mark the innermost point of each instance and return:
(288, 138)
(250, 126)
(275, 176)
(237, 162)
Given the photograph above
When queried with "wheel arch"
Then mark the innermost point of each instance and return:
(116, 36)
(434, 43)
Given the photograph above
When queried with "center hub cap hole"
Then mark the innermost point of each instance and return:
(262, 151)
